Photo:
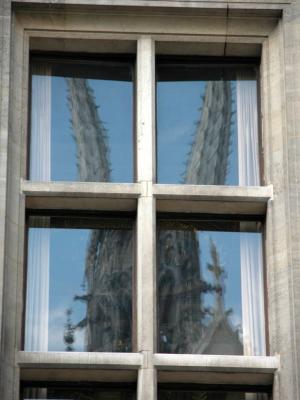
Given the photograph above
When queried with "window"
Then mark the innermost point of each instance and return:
(210, 287)
(120, 260)
(80, 267)
(79, 284)
(75, 135)
(80, 392)
(207, 393)
(207, 123)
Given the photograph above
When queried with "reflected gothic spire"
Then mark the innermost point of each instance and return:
(207, 164)
(219, 279)
(108, 260)
(208, 160)
(93, 163)
(108, 265)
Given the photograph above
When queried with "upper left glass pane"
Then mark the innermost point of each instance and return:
(81, 120)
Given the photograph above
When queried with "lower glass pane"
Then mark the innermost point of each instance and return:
(210, 287)
(209, 395)
(75, 393)
(79, 283)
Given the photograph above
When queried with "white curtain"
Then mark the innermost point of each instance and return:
(37, 299)
(250, 244)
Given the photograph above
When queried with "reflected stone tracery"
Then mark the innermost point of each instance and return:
(89, 133)
(206, 395)
(108, 265)
(180, 283)
(80, 393)
(187, 322)
(208, 160)
(181, 286)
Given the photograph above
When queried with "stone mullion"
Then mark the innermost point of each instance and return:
(146, 219)
(280, 279)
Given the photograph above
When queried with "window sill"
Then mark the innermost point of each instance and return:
(171, 368)
(81, 195)
(250, 200)
(74, 366)
(215, 369)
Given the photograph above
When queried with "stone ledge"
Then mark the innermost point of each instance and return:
(213, 199)
(76, 360)
(214, 192)
(215, 363)
(80, 189)
(271, 8)
(216, 370)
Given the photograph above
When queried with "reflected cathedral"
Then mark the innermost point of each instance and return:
(185, 324)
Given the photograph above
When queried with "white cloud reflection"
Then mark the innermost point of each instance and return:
(57, 321)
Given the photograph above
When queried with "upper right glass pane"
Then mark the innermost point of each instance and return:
(207, 127)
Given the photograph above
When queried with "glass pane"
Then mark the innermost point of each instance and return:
(208, 395)
(79, 285)
(210, 288)
(75, 134)
(207, 131)
(79, 393)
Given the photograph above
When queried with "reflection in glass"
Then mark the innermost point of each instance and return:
(210, 287)
(208, 395)
(207, 130)
(75, 135)
(79, 393)
(79, 289)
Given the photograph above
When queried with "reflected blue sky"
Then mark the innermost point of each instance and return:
(68, 252)
(193, 295)
(228, 246)
(178, 114)
(115, 102)
(71, 252)
(68, 249)
(112, 98)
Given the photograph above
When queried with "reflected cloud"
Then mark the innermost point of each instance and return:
(57, 322)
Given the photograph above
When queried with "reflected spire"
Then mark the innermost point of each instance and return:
(208, 161)
(108, 258)
(89, 133)
(219, 276)
(108, 264)
(181, 285)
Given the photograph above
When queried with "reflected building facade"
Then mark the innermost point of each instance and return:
(180, 282)
(108, 265)
(200, 395)
(182, 314)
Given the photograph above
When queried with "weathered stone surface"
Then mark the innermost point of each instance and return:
(280, 105)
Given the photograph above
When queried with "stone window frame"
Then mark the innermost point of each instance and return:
(40, 30)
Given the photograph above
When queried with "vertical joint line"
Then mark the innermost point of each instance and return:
(226, 33)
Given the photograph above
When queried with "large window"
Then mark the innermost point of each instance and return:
(151, 243)
(210, 296)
